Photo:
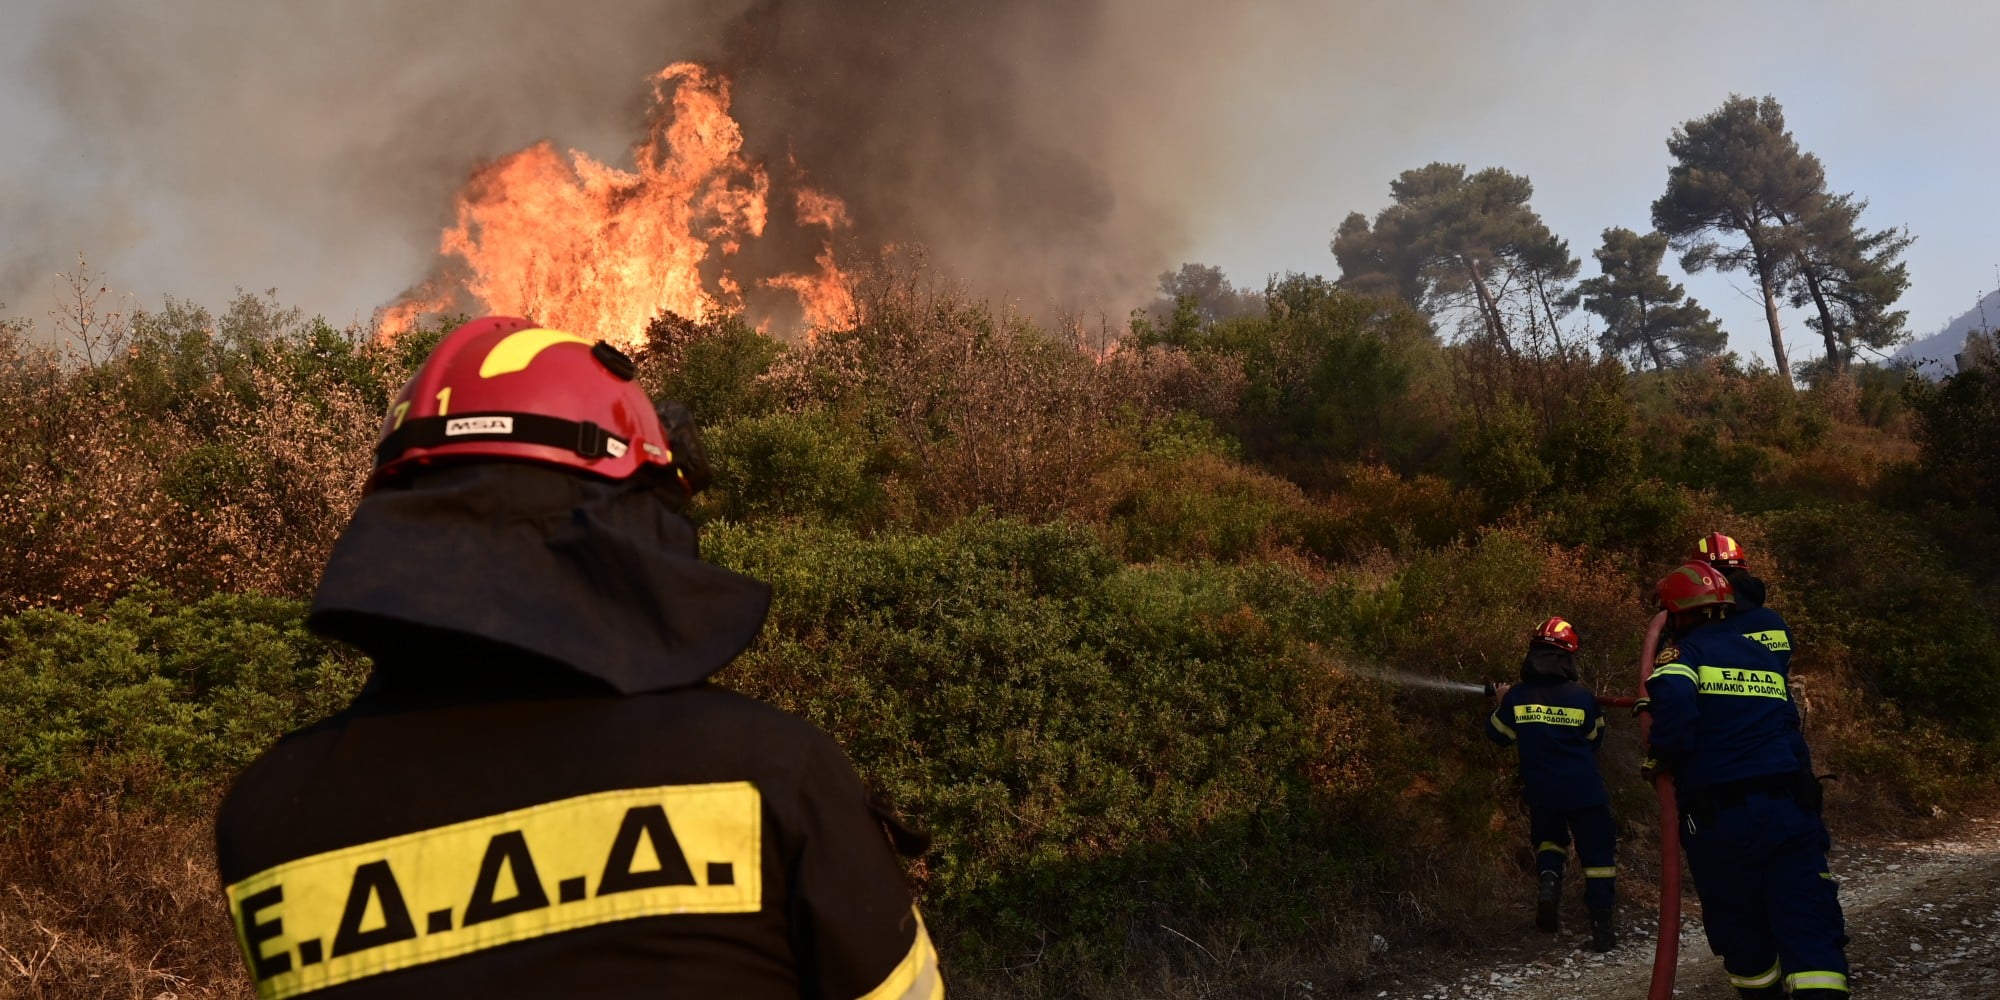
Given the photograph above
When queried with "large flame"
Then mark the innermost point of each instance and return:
(578, 245)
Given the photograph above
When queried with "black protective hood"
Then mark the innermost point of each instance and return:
(1749, 590)
(1546, 664)
(600, 577)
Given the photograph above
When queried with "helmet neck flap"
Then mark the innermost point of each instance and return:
(599, 576)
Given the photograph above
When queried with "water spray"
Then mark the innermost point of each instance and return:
(1493, 690)
(1406, 679)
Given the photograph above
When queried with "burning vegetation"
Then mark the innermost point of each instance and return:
(583, 245)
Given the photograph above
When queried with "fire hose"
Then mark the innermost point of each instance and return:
(1667, 948)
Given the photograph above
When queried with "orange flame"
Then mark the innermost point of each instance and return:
(583, 246)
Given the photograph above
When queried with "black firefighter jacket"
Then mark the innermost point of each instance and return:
(495, 817)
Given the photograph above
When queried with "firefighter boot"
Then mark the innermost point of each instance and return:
(1548, 899)
(1603, 937)
(1775, 991)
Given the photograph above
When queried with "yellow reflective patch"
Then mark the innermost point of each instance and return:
(1817, 981)
(1608, 871)
(1674, 670)
(1748, 683)
(1775, 640)
(516, 351)
(1769, 977)
(916, 976)
(1548, 714)
(435, 894)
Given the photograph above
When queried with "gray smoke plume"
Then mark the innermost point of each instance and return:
(316, 147)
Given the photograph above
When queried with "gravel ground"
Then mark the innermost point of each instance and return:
(1924, 918)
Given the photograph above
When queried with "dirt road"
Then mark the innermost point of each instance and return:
(1924, 918)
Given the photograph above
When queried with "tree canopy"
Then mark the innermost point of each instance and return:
(1452, 241)
(1739, 174)
(1647, 316)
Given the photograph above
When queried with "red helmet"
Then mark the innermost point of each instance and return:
(502, 387)
(1558, 633)
(1694, 585)
(1721, 550)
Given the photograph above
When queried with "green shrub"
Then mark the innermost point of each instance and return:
(1915, 627)
(714, 368)
(1958, 427)
(789, 465)
(1186, 496)
(1377, 510)
(194, 691)
(1089, 740)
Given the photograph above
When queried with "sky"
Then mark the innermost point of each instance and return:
(191, 149)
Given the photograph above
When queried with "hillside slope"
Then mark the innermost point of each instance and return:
(1940, 346)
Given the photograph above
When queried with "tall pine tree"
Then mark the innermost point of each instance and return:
(1739, 175)
(1643, 310)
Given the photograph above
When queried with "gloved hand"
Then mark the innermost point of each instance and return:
(1652, 767)
(1811, 795)
(1641, 706)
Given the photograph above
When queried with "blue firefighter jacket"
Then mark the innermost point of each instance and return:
(1754, 619)
(1722, 708)
(1557, 725)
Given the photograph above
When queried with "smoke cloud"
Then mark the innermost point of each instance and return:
(317, 147)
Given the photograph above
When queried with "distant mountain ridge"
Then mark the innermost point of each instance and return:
(1939, 347)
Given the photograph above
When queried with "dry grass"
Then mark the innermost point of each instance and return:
(102, 900)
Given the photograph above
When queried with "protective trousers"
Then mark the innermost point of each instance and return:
(1596, 846)
(1768, 903)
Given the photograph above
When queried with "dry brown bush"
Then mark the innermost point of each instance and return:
(103, 899)
(210, 496)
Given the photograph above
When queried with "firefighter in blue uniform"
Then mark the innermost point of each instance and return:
(1725, 726)
(1750, 616)
(537, 793)
(1556, 724)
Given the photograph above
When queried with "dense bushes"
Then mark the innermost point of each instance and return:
(147, 685)
(1067, 723)
(1110, 622)
(1881, 592)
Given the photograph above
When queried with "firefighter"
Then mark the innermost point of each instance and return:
(1750, 615)
(1556, 724)
(1724, 725)
(536, 793)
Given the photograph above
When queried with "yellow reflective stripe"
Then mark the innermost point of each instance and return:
(1550, 714)
(1550, 845)
(1610, 871)
(1501, 726)
(434, 894)
(916, 976)
(1818, 981)
(1739, 682)
(1675, 670)
(1757, 981)
(518, 350)
(1775, 640)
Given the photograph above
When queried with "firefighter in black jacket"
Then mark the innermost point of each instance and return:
(1556, 724)
(537, 794)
